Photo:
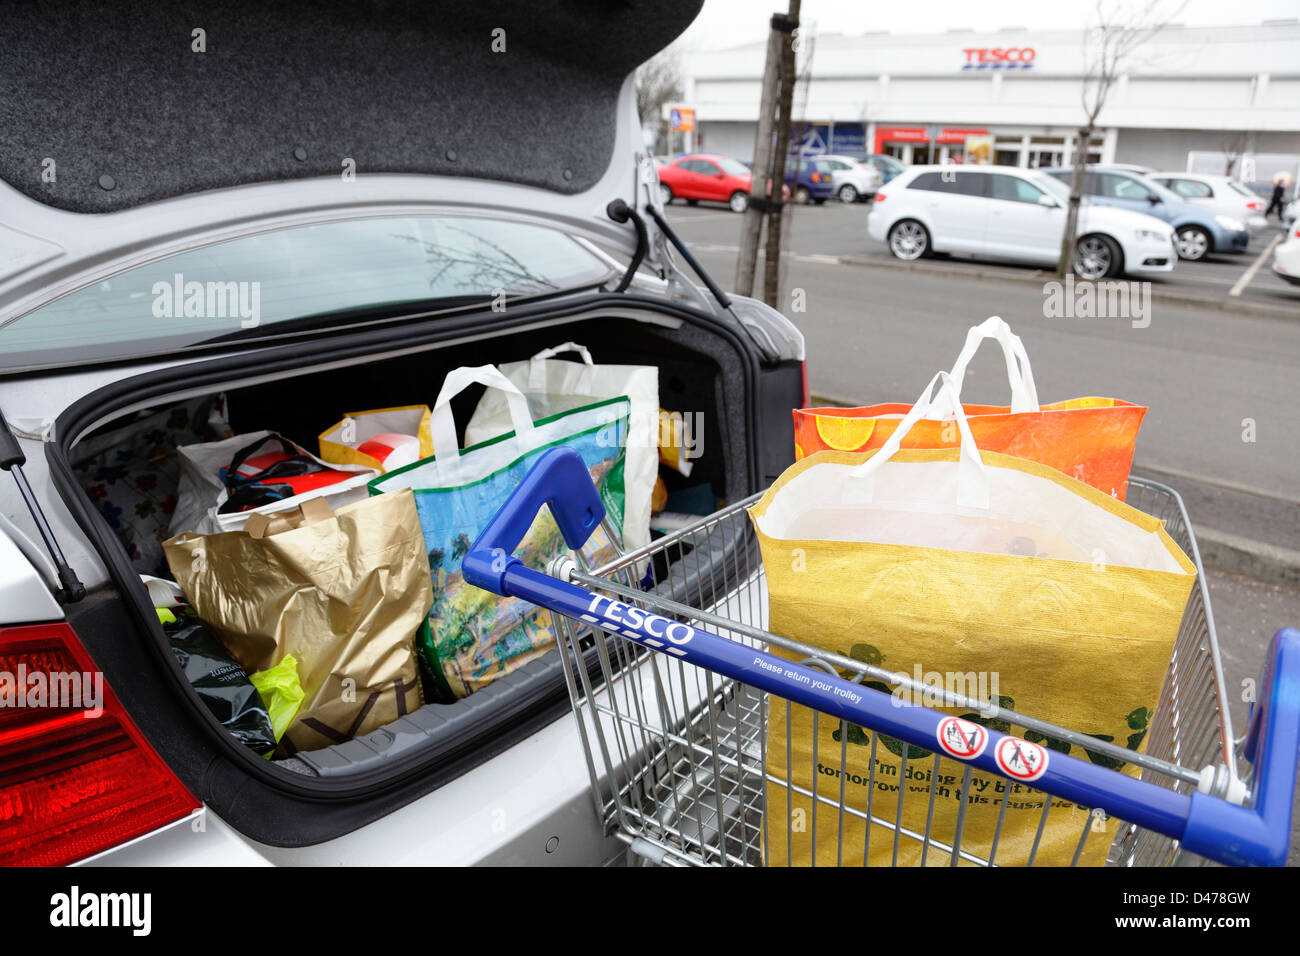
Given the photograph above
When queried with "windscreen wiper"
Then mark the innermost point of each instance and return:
(12, 459)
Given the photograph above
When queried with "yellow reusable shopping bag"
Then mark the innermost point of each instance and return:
(383, 438)
(995, 569)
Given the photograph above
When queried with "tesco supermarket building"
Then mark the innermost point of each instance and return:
(1189, 96)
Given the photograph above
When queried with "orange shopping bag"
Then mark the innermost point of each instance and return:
(1089, 439)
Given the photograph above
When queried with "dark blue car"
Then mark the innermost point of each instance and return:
(809, 179)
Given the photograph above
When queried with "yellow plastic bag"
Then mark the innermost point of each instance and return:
(281, 692)
(1047, 594)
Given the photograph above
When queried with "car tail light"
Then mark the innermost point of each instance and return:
(816, 177)
(1254, 205)
(880, 197)
(73, 782)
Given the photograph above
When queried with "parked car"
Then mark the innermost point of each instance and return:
(883, 163)
(850, 180)
(1219, 193)
(705, 177)
(1200, 231)
(1133, 168)
(1005, 212)
(1286, 257)
(360, 296)
(810, 180)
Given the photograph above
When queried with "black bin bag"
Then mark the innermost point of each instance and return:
(220, 683)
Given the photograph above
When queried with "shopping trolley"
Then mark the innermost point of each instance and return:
(671, 677)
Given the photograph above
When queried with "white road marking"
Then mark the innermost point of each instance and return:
(1254, 267)
(688, 220)
(818, 258)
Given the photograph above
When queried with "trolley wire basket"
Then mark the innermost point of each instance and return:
(672, 679)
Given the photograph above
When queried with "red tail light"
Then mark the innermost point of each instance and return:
(73, 782)
(1254, 205)
(816, 177)
(880, 197)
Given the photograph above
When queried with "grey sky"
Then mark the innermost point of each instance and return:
(726, 23)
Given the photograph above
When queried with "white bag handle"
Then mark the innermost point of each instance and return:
(972, 476)
(1024, 396)
(443, 425)
(537, 367)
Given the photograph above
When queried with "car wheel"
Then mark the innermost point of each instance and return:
(1096, 257)
(908, 239)
(1193, 243)
(801, 196)
(848, 194)
(665, 193)
(739, 201)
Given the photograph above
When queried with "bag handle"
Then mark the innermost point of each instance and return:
(296, 464)
(537, 367)
(1024, 395)
(443, 426)
(972, 476)
(313, 510)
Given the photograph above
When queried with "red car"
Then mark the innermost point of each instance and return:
(701, 176)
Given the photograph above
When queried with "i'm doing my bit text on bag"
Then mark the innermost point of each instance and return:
(947, 561)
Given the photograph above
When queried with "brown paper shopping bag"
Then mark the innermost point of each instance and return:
(342, 591)
(954, 563)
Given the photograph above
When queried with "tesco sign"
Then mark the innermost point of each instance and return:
(999, 58)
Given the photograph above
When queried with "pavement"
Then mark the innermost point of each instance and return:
(1220, 374)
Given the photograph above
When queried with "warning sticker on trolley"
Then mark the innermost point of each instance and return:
(961, 738)
(1019, 759)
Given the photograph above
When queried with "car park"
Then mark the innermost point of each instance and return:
(1223, 195)
(705, 177)
(349, 293)
(1200, 231)
(1005, 212)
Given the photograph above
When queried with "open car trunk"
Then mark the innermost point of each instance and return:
(706, 365)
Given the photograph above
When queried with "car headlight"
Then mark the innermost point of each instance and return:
(1151, 235)
(1227, 222)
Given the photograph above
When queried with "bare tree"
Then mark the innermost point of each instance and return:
(658, 82)
(1110, 45)
(1234, 146)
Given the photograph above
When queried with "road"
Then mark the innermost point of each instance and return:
(877, 333)
(1222, 387)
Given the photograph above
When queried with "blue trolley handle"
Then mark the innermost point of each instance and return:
(1212, 827)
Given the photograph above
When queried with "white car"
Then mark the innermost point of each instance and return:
(1286, 257)
(852, 181)
(1226, 197)
(1005, 212)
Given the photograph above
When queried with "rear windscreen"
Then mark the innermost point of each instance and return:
(251, 287)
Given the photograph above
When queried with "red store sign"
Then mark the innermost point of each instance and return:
(920, 134)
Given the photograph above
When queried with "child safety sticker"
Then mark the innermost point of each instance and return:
(1019, 759)
(962, 739)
